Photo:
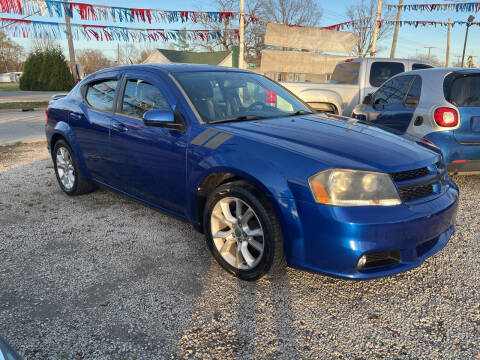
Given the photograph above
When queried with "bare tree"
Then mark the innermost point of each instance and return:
(45, 44)
(92, 60)
(363, 13)
(291, 12)
(11, 54)
(432, 58)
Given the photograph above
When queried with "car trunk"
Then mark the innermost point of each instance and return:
(463, 90)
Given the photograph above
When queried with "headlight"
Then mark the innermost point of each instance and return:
(353, 188)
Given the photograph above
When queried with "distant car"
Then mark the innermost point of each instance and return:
(254, 169)
(7, 353)
(439, 105)
(351, 80)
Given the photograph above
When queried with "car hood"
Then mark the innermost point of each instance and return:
(337, 141)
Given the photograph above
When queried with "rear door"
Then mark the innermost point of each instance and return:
(391, 107)
(464, 92)
(91, 124)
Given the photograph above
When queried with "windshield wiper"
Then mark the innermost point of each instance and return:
(238, 118)
(299, 112)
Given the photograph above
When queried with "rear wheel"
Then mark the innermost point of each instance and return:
(69, 176)
(243, 232)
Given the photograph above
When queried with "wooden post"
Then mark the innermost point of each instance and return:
(71, 49)
(448, 43)
(395, 33)
(241, 47)
(376, 27)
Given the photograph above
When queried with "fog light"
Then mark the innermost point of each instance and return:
(362, 261)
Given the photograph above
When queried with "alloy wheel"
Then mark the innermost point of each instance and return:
(237, 233)
(65, 168)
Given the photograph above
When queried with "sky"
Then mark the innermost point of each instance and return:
(411, 41)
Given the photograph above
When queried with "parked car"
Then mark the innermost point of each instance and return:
(439, 105)
(254, 169)
(351, 80)
(6, 352)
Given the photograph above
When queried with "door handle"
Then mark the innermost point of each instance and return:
(119, 127)
(75, 116)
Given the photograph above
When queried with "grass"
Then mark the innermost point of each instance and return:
(23, 105)
(9, 87)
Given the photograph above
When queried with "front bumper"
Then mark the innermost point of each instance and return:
(332, 239)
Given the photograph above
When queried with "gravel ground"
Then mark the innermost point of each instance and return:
(102, 277)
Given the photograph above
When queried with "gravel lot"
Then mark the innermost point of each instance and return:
(102, 277)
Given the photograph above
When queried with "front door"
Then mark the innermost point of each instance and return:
(149, 162)
(392, 108)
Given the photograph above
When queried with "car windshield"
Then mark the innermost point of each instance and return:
(221, 96)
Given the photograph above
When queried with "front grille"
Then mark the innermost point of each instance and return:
(416, 192)
(419, 183)
(410, 174)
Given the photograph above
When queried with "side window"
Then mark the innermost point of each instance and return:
(413, 95)
(421, 66)
(100, 95)
(394, 90)
(141, 96)
(381, 71)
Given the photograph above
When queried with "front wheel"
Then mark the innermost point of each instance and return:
(243, 232)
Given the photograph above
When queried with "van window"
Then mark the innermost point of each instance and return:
(346, 73)
(100, 95)
(421, 66)
(381, 71)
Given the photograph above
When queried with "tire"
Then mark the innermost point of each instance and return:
(69, 176)
(270, 259)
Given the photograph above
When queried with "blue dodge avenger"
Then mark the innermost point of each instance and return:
(266, 180)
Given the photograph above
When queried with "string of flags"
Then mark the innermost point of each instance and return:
(452, 6)
(106, 13)
(345, 25)
(418, 23)
(53, 30)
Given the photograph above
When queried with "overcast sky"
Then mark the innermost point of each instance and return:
(411, 41)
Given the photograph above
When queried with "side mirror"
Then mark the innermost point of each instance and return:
(159, 118)
(367, 100)
(412, 101)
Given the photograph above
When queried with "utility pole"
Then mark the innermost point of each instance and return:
(241, 47)
(448, 43)
(429, 48)
(395, 33)
(376, 27)
(71, 50)
(469, 22)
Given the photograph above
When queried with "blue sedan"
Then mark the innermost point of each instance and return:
(439, 105)
(266, 180)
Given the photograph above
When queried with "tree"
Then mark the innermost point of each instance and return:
(290, 12)
(11, 54)
(183, 44)
(46, 70)
(363, 14)
(42, 44)
(92, 60)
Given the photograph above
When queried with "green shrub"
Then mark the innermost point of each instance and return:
(46, 70)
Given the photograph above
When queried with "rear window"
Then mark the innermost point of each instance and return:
(464, 91)
(381, 71)
(346, 73)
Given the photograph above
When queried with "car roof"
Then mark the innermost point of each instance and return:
(441, 71)
(172, 68)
